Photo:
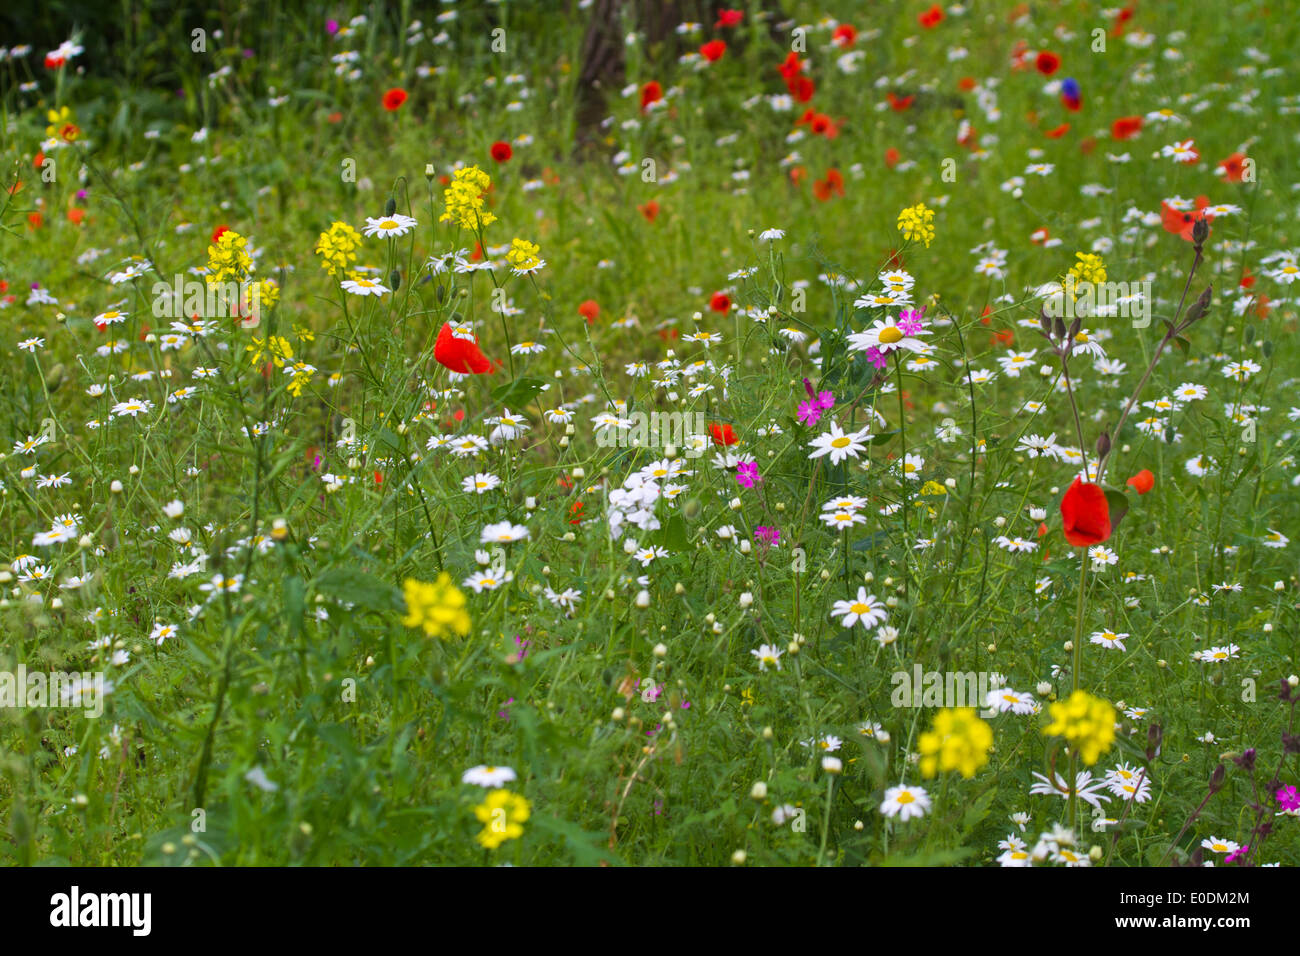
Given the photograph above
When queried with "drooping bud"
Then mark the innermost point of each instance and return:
(1154, 737)
(1197, 308)
(1103, 445)
(1216, 779)
(390, 207)
(1200, 232)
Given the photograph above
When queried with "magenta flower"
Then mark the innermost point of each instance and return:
(1237, 854)
(1289, 797)
(331, 27)
(810, 412)
(747, 474)
(765, 535)
(909, 321)
(876, 357)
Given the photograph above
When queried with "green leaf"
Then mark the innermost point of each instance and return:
(357, 587)
(1117, 502)
(518, 393)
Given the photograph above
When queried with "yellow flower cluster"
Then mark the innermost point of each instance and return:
(437, 608)
(464, 198)
(1086, 722)
(1089, 268)
(278, 346)
(959, 741)
(63, 125)
(228, 259)
(504, 814)
(916, 222)
(523, 255)
(337, 246)
(302, 373)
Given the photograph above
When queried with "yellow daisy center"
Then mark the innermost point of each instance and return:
(891, 334)
(842, 442)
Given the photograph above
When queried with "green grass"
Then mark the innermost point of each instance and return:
(357, 728)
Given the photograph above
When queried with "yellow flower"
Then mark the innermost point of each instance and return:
(1089, 268)
(933, 488)
(504, 814)
(62, 124)
(302, 373)
(437, 608)
(914, 222)
(228, 259)
(1087, 723)
(277, 345)
(337, 246)
(959, 741)
(523, 255)
(464, 199)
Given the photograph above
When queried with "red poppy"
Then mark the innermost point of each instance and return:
(589, 310)
(1247, 280)
(501, 152)
(1085, 514)
(459, 355)
(1234, 167)
(1181, 223)
(729, 18)
(1047, 63)
(844, 36)
(1121, 18)
(1057, 132)
(1142, 482)
(791, 66)
(966, 84)
(823, 125)
(575, 509)
(801, 88)
(720, 302)
(723, 434)
(651, 92)
(713, 50)
(53, 62)
(899, 103)
(833, 184)
(394, 99)
(76, 214)
(932, 17)
(1004, 337)
(798, 174)
(892, 157)
(649, 210)
(335, 117)
(1126, 127)
(35, 219)
(217, 233)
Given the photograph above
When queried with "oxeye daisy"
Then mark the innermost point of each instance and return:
(839, 444)
(363, 286)
(866, 610)
(388, 226)
(886, 336)
(905, 803)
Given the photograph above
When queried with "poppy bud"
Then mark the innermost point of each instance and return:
(1045, 322)
(395, 280)
(1197, 308)
(390, 207)
(1200, 232)
(1216, 779)
(1058, 328)
(1103, 445)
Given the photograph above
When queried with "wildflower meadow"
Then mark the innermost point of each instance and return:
(612, 434)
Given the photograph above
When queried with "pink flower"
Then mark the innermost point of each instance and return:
(909, 322)
(747, 474)
(1289, 797)
(876, 357)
